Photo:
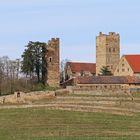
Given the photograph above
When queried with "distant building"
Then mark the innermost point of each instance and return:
(107, 51)
(128, 65)
(75, 69)
(109, 83)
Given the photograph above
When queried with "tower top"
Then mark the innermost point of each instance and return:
(109, 34)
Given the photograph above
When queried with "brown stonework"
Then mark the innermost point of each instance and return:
(52, 59)
(107, 51)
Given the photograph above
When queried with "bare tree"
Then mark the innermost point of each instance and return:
(62, 70)
(9, 73)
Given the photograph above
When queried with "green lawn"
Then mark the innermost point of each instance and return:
(43, 124)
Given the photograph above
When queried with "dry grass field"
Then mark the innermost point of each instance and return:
(77, 116)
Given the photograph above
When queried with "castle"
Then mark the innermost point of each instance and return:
(125, 71)
(107, 54)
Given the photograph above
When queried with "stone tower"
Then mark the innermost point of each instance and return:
(107, 51)
(52, 59)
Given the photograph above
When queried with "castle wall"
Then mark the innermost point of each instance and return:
(106, 88)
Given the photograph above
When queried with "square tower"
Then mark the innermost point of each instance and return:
(107, 51)
(52, 60)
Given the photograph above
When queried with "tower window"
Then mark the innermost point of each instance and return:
(109, 49)
(113, 49)
(50, 59)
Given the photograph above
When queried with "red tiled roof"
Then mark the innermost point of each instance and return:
(108, 80)
(134, 62)
(78, 67)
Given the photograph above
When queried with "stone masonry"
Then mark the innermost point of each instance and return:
(52, 59)
(107, 51)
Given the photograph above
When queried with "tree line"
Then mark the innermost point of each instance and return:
(9, 73)
(25, 74)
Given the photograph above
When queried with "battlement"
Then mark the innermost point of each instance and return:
(109, 34)
(53, 41)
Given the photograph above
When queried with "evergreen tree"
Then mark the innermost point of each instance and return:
(105, 71)
(34, 62)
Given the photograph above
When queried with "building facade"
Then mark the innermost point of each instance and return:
(107, 51)
(52, 59)
(129, 65)
(75, 69)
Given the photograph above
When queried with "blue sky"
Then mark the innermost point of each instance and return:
(75, 22)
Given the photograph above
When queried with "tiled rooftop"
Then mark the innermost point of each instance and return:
(78, 67)
(108, 80)
(134, 62)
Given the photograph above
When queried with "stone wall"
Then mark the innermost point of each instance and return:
(103, 88)
(26, 98)
(100, 87)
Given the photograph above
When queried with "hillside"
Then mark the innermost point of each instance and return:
(76, 116)
(114, 103)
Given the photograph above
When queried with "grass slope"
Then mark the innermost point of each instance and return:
(43, 124)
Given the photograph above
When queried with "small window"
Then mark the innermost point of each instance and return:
(122, 65)
(117, 70)
(50, 59)
(123, 70)
(128, 69)
(109, 49)
(113, 49)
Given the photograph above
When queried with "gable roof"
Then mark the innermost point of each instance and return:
(108, 80)
(78, 67)
(134, 62)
